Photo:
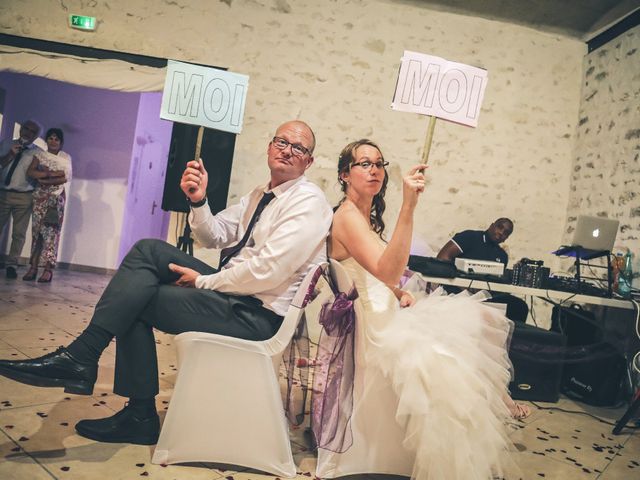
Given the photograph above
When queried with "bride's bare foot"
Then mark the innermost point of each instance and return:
(520, 411)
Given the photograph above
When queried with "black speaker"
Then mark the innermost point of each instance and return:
(537, 357)
(594, 374)
(217, 155)
(579, 325)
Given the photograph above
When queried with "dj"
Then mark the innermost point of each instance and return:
(485, 245)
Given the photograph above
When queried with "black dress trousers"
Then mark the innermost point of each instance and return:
(141, 296)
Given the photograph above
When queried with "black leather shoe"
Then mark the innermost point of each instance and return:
(11, 273)
(123, 427)
(56, 369)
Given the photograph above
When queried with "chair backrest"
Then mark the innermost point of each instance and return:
(340, 276)
(276, 344)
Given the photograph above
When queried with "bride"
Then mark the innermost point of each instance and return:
(446, 356)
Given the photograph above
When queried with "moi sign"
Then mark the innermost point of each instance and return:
(204, 96)
(434, 86)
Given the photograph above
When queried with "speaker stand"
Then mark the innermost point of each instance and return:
(633, 408)
(185, 242)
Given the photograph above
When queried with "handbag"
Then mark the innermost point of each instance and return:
(51, 215)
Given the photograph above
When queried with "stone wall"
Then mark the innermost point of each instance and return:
(605, 179)
(335, 63)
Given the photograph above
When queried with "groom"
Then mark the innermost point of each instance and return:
(274, 236)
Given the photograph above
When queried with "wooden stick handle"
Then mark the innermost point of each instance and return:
(196, 155)
(428, 139)
(199, 144)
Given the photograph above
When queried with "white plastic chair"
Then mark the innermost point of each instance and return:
(377, 436)
(227, 406)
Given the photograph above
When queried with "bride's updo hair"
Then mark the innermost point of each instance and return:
(345, 161)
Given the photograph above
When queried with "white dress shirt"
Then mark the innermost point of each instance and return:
(287, 240)
(20, 182)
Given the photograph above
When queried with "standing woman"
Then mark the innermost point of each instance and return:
(51, 170)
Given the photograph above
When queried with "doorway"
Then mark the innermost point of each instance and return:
(119, 147)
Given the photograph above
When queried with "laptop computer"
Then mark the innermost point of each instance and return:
(592, 235)
(595, 233)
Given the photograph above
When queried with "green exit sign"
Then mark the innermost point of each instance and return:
(82, 22)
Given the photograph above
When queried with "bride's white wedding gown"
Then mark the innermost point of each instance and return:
(446, 358)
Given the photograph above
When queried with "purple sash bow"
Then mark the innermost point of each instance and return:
(332, 402)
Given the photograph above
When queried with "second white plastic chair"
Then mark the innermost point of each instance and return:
(377, 436)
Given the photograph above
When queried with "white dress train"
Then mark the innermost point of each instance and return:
(446, 358)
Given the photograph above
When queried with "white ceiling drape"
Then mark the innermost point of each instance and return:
(89, 72)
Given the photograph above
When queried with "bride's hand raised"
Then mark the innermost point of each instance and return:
(413, 185)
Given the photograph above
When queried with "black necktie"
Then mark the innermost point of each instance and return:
(228, 253)
(12, 168)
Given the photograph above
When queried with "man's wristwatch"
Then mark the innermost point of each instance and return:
(197, 204)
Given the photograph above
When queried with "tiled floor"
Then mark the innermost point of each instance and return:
(38, 441)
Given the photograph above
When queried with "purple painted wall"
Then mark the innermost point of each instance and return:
(99, 125)
(143, 217)
(100, 132)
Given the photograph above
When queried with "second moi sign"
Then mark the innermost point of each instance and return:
(434, 86)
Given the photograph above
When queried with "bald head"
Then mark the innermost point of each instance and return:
(290, 151)
(301, 127)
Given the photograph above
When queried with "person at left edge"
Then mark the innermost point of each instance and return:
(159, 286)
(16, 189)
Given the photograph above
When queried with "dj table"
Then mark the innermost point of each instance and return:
(556, 297)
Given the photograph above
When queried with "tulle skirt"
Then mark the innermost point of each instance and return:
(446, 358)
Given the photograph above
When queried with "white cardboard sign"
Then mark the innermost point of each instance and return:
(434, 86)
(204, 96)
